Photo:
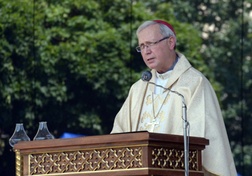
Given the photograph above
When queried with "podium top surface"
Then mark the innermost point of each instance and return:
(112, 139)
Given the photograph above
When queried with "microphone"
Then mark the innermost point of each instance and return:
(146, 76)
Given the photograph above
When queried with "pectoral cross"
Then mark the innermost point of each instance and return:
(153, 124)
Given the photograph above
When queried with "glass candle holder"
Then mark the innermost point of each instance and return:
(19, 134)
(43, 133)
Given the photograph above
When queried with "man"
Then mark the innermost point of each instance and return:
(155, 109)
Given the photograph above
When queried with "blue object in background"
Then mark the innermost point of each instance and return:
(71, 135)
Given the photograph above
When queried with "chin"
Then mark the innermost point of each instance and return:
(151, 66)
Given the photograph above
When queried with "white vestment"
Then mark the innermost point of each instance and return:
(203, 114)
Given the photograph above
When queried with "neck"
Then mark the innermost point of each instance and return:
(173, 60)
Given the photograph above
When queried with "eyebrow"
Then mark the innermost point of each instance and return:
(147, 42)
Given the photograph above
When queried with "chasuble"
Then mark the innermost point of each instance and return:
(161, 112)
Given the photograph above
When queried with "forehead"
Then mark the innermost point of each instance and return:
(150, 33)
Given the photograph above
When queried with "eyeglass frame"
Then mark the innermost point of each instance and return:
(143, 46)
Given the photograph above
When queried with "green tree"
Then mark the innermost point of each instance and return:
(65, 62)
(71, 62)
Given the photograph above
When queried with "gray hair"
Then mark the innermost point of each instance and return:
(164, 30)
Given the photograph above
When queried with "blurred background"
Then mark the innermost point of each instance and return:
(71, 63)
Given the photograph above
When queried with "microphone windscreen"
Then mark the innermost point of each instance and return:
(146, 76)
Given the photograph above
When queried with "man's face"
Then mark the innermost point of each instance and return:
(156, 56)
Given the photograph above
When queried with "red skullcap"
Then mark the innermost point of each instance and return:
(166, 24)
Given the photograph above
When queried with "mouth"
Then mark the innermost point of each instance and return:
(150, 59)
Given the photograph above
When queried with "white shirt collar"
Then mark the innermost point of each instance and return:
(163, 75)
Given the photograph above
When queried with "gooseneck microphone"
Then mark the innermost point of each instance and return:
(146, 76)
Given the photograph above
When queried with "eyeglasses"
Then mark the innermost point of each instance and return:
(143, 46)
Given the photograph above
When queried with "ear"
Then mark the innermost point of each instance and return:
(172, 42)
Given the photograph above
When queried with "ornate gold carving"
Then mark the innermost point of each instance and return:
(19, 164)
(173, 158)
(85, 160)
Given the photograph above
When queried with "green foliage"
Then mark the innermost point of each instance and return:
(71, 62)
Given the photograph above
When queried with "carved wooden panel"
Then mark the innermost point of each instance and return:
(85, 160)
(107, 159)
(173, 158)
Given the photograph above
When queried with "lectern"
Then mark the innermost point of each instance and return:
(124, 154)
